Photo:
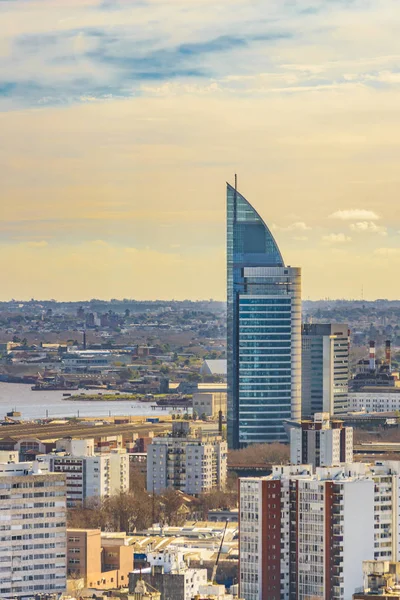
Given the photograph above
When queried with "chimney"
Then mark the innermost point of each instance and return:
(388, 354)
(372, 362)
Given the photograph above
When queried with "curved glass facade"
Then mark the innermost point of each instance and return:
(264, 330)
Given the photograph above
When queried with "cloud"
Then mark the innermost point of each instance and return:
(354, 215)
(298, 226)
(387, 252)
(368, 227)
(41, 244)
(336, 238)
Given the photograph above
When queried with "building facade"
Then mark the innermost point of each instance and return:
(101, 560)
(89, 475)
(321, 442)
(375, 399)
(209, 403)
(325, 368)
(181, 584)
(191, 463)
(32, 531)
(264, 330)
(305, 535)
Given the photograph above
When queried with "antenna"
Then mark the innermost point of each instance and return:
(235, 182)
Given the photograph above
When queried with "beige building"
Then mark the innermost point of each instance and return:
(210, 403)
(191, 463)
(101, 561)
(381, 579)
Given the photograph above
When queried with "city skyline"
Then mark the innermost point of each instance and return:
(121, 122)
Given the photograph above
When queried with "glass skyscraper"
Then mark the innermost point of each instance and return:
(264, 330)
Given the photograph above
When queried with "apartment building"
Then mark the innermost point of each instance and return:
(321, 442)
(305, 534)
(32, 531)
(89, 475)
(192, 463)
(101, 561)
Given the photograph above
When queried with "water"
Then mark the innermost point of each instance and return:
(37, 405)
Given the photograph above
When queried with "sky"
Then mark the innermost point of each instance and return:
(121, 121)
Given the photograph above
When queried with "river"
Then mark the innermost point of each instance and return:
(38, 405)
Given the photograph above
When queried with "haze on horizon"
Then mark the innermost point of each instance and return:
(121, 120)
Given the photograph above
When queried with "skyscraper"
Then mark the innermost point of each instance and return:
(325, 368)
(264, 330)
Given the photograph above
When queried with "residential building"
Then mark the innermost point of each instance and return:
(190, 462)
(264, 330)
(182, 583)
(32, 531)
(100, 560)
(144, 592)
(209, 404)
(381, 579)
(325, 368)
(89, 475)
(212, 591)
(305, 534)
(321, 442)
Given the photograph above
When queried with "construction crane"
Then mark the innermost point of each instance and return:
(214, 571)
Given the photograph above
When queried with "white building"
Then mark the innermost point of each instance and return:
(305, 535)
(86, 360)
(32, 531)
(190, 463)
(210, 403)
(89, 475)
(321, 442)
(375, 399)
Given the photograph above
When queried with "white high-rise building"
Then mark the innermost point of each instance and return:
(321, 442)
(32, 531)
(89, 475)
(191, 463)
(305, 535)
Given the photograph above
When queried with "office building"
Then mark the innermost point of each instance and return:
(32, 531)
(305, 534)
(264, 330)
(89, 475)
(190, 462)
(321, 442)
(325, 368)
